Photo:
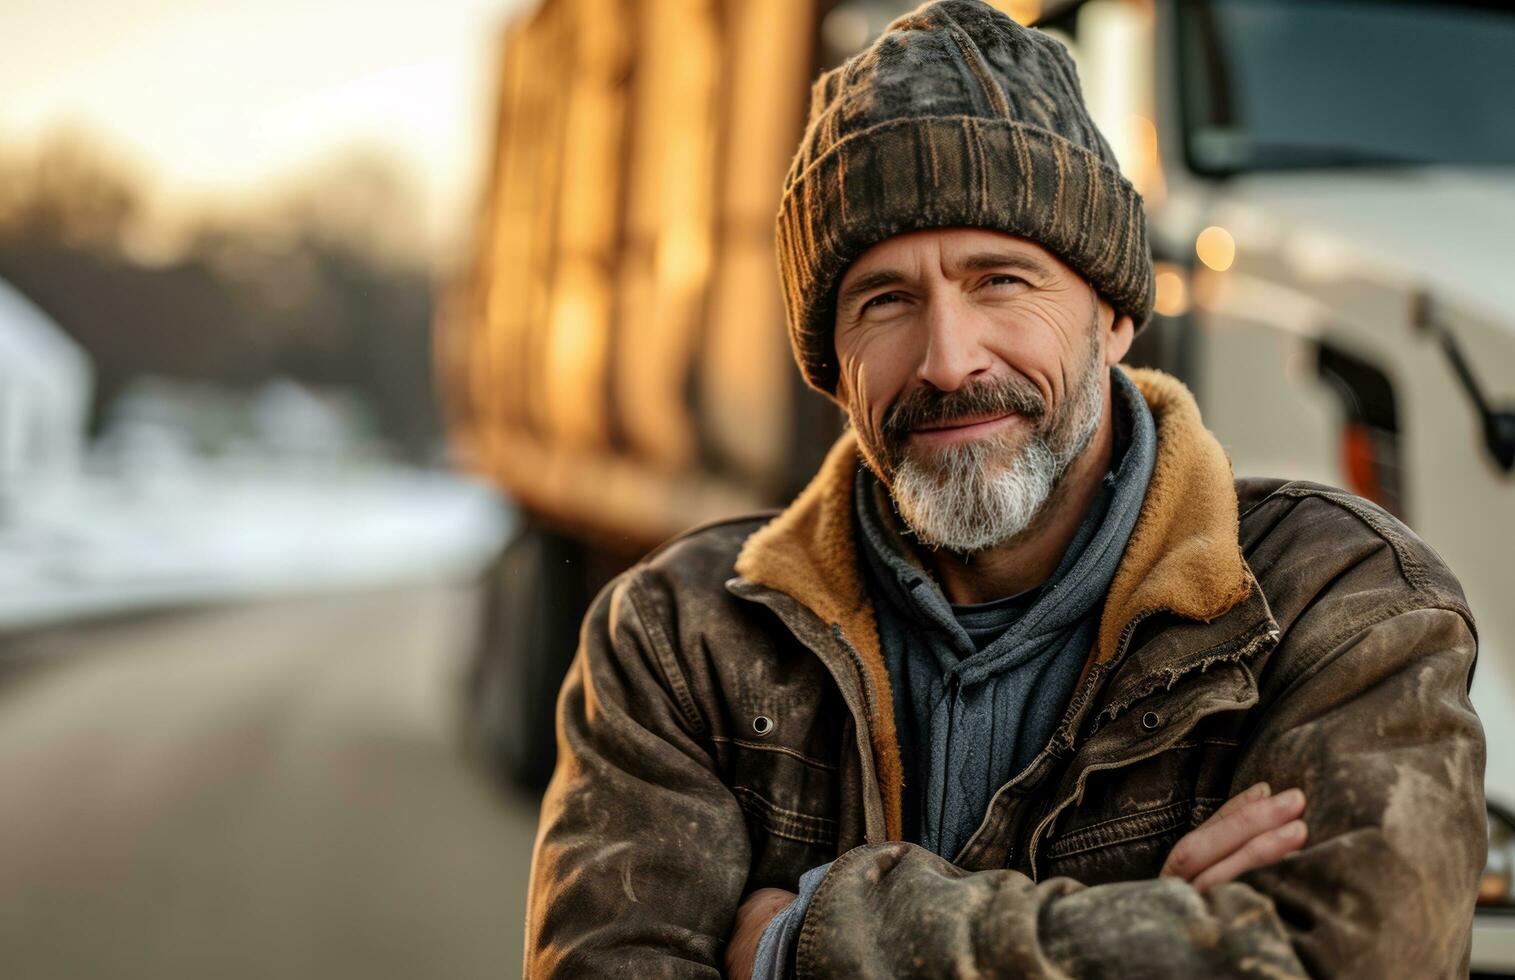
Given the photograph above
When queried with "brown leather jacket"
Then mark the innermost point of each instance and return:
(1255, 630)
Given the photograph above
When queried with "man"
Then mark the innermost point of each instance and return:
(1007, 691)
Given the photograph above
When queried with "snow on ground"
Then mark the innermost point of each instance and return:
(95, 546)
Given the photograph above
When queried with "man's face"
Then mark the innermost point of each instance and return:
(974, 368)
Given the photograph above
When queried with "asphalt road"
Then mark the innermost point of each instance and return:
(256, 791)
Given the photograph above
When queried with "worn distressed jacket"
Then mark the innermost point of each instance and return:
(1255, 630)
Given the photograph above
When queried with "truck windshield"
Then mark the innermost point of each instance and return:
(1284, 84)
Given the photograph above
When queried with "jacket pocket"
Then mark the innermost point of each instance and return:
(786, 778)
(785, 843)
(788, 824)
(1126, 847)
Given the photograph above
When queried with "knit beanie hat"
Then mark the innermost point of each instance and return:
(956, 115)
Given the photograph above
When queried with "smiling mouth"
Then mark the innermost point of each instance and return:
(966, 427)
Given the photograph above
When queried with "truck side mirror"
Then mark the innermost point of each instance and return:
(1498, 425)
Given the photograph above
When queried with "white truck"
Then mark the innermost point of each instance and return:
(1331, 189)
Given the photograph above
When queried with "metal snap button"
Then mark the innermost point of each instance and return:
(1151, 721)
(762, 724)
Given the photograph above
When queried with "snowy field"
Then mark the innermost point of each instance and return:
(103, 546)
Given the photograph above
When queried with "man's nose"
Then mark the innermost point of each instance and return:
(954, 351)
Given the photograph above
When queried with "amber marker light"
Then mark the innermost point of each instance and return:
(1022, 12)
(1216, 248)
(1494, 884)
(1172, 297)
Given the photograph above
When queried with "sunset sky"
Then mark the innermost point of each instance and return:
(219, 99)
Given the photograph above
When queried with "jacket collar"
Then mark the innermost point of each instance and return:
(1183, 556)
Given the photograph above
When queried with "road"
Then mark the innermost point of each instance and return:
(270, 790)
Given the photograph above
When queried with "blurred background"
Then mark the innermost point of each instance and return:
(346, 351)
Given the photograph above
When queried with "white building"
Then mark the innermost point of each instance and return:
(46, 383)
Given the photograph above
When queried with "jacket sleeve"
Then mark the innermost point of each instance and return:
(641, 853)
(1378, 732)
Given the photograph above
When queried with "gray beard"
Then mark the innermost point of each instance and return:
(982, 493)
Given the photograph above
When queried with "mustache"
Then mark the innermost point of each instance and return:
(931, 408)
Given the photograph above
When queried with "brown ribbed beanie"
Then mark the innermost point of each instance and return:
(956, 115)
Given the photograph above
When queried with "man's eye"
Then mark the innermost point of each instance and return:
(880, 300)
(1004, 280)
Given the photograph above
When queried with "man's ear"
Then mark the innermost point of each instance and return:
(838, 392)
(1119, 333)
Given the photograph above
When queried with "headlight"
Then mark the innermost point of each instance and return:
(1494, 888)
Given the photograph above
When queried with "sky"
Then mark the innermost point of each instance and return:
(215, 99)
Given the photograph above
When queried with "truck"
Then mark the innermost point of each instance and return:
(1330, 188)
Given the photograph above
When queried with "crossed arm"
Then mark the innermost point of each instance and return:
(642, 856)
(1253, 829)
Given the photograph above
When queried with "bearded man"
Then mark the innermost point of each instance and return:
(1024, 683)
